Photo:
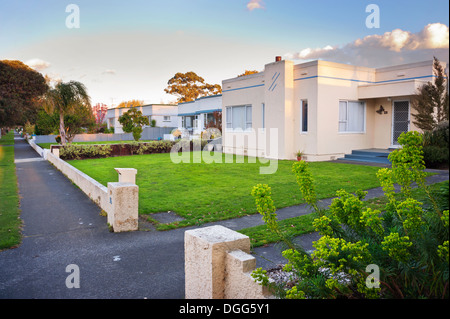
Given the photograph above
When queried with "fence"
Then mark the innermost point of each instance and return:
(148, 133)
(119, 199)
(218, 265)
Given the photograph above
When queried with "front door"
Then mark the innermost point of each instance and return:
(400, 120)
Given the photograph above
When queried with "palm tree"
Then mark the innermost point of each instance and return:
(63, 98)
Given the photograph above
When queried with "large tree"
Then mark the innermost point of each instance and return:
(190, 86)
(131, 103)
(64, 98)
(431, 100)
(20, 88)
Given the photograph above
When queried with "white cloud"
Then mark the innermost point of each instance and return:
(37, 64)
(109, 71)
(255, 4)
(397, 46)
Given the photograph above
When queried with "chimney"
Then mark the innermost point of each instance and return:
(277, 58)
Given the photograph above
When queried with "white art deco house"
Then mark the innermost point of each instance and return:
(324, 109)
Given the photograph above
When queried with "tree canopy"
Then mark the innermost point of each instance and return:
(190, 86)
(132, 122)
(20, 89)
(248, 72)
(131, 103)
(65, 98)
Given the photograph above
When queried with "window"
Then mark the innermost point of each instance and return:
(304, 116)
(239, 117)
(166, 119)
(188, 121)
(208, 118)
(352, 117)
(263, 111)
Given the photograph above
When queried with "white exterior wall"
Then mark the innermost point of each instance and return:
(200, 107)
(154, 111)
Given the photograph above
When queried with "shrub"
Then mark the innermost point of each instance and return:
(435, 146)
(407, 242)
(74, 151)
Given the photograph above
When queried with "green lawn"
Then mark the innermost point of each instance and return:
(9, 199)
(202, 192)
(47, 145)
(7, 139)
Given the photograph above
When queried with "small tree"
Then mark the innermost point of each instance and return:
(431, 101)
(132, 122)
(64, 98)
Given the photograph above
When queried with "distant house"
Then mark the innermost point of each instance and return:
(165, 115)
(322, 108)
(194, 116)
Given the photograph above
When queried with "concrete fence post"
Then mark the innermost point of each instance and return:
(124, 201)
(218, 265)
(127, 175)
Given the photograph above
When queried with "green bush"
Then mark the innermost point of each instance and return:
(80, 151)
(435, 156)
(436, 146)
(407, 242)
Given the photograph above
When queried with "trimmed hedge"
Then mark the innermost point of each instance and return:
(85, 151)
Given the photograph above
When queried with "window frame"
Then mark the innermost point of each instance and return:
(248, 123)
(302, 116)
(346, 121)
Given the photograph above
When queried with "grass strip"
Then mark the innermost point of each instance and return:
(10, 222)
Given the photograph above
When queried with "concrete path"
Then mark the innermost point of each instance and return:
(63, 227)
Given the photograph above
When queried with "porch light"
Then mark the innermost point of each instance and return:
(381, 110)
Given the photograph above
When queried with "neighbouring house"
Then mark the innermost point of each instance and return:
(194, 116)
(165, 115)
(324, 109)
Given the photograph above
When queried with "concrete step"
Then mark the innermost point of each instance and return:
(371, 159)
(372, 156)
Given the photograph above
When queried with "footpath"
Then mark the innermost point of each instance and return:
(62, 227)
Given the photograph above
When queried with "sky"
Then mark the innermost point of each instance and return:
(123, 50)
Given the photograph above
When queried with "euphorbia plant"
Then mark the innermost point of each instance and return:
(407, 241)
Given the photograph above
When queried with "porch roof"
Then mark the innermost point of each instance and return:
(389, 89)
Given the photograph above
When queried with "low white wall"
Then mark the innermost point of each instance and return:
(120, 200)
(42, 152)
(96, 191)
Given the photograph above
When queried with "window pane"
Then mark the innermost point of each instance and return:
(304, 116)
(355, 117)
(263, 116)
(342, 116)
(248, 117)
(238, 117)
